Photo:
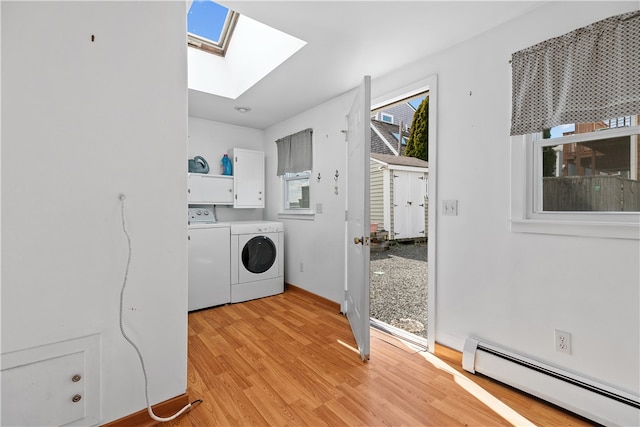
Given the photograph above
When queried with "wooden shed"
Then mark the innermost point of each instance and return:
(398, 195)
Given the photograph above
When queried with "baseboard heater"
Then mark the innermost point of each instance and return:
(598, 402)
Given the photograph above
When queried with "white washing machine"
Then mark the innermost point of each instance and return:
(257, 259)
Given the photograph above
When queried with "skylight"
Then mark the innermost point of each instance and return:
(255, 51)
(209, 26)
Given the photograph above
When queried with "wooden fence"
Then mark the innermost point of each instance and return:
(591, 194)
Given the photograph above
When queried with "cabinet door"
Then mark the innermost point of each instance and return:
(209, 267)
(194, 190)
(248, 170)
(217, 189)
(210, 189)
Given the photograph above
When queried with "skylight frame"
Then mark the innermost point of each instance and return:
(219, 48)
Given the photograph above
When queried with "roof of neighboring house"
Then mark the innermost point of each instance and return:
(382, 137)
(402, 111)
(400, 160)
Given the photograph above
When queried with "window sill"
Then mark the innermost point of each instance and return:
(611, 230)
(305, 216)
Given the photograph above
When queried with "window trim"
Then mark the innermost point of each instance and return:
(383, 115)
(220, 48)
(526, 195)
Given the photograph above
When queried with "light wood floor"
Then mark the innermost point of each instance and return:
(288, 360)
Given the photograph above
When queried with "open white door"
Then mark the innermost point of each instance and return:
(356, 305)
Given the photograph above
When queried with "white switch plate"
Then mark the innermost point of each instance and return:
(319, 208)
(450, 207)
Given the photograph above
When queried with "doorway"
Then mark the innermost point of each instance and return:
(400, 294)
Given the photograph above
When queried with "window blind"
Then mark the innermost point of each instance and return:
(295, 152)
(587, 75)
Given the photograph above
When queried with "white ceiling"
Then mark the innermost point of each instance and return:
(345, 41)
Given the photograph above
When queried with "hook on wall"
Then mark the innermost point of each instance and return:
(318, 178)
(336, 175)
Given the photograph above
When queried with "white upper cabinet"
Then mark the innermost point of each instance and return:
(248, 173)
(210, 189)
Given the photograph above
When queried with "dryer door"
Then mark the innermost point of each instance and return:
(258, 257)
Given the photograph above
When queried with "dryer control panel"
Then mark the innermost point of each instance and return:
(269, 228)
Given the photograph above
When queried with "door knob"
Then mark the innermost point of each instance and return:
(361, 241)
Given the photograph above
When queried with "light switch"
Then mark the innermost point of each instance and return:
(450, 207)
(319, 208)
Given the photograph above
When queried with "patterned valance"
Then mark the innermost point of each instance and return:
(295, 152)
(587, 75)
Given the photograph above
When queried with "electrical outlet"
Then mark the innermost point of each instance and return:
(301, 267)
(450, 207)
(563, 341)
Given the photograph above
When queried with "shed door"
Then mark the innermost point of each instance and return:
(409, 198)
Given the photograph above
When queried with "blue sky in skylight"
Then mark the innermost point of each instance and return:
(206, 19)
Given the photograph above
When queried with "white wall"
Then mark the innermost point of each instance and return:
(212, 140)
(83, 122)
(509, 288)
(319, 243)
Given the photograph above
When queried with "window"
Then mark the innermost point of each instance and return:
(579, 179)
(396, 136)
(387, 118)
(591, 168)
(295, 161)
(209, 26)
(296, 190)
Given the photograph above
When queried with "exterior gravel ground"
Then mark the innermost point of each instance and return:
(398, 286)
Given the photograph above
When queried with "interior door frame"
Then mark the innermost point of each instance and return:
(429, 84)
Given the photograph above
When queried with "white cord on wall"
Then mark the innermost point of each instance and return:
(126, 337)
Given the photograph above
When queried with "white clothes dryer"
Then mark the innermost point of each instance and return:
(257, 259)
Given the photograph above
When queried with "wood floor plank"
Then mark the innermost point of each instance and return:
(288, 360)
(271, 406)
(281, 380)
